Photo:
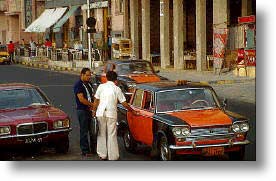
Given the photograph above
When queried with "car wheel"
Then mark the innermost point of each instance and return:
(237, 155)
(129, 142)
(166, 154)
(63, 146)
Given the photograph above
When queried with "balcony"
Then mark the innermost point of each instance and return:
(13, 7)
(3, 5)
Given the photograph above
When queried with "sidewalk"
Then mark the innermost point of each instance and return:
(207, 77)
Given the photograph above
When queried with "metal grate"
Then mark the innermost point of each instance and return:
(210, 134)
(32, 128)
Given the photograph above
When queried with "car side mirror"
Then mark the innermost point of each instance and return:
(224, 103)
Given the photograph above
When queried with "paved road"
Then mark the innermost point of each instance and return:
(58, 87)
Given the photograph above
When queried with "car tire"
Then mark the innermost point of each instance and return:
(129, 142)
(165, 153)
(62, 146)
(237, 155)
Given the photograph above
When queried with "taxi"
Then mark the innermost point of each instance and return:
(27, 119)
(4, 55)
(182, 118)
(130, 73)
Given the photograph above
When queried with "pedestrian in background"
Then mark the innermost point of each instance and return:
(11, 49)
(84, 95)
(105, 109)
(48, 43)
(32, 48)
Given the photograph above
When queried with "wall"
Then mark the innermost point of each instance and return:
(117, 18)
(3, 27)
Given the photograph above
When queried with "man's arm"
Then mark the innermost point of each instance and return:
(83, 100)
(126, 105)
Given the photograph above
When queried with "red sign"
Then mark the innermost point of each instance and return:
(247, 19)
(250, 57)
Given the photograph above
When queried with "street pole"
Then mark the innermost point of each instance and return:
(89, 36)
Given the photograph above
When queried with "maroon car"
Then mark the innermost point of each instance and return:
(28, 118)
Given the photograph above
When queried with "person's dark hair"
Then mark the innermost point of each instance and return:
(10, 41)
(84, 70)
(47, 39)
(111, 76)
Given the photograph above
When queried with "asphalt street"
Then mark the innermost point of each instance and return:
(59, 89)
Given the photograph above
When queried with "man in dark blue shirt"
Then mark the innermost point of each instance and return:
(84, 95)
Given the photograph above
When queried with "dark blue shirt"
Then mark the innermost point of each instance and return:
(79, 88)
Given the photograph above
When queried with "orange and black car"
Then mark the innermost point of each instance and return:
(130, 73)
(182, 119)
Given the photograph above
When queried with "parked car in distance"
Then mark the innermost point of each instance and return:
(4, 55)
(28, 118)
(130, 73)
(183, 118)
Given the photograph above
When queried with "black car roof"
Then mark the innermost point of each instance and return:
(170, 85)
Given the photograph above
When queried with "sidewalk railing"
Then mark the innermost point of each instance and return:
(59, 54)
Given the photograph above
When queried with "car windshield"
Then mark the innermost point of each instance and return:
(186, 99)
(135, 68)
(18, 98)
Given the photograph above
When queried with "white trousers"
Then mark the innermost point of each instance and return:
(107, 144)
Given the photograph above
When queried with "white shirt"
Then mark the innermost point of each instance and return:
(109, 94)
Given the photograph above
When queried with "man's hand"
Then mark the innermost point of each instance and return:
(93, 113)
(135, 112)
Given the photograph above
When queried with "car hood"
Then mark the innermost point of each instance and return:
(202, 118)
(142, 78)
(31, 114)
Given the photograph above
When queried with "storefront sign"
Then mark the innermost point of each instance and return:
(96, 5)
(28, 12)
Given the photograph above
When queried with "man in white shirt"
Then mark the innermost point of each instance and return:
(106, 100)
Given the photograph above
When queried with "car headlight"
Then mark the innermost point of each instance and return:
(61, 124)
(236, 128)
(240, 127)
(244, 127)
(5, 130)
(181, 132)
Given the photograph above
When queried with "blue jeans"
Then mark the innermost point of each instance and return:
(85, 118)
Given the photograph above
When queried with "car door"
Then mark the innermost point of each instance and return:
(141, 125)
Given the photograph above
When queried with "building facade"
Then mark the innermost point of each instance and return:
(175, 31)
(15, 16)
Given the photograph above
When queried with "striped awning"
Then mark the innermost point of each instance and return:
(63, 20)
(46, 20)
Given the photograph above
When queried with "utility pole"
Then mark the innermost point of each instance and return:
(89, 36)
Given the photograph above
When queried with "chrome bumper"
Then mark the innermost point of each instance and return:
(174, 147)
(36, 134)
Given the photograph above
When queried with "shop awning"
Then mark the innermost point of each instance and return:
(67, 15)
(46, 20)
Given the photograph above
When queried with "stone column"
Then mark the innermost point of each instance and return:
(134, 27)
(220, 19)
(146, 30)
(178, 33)
(126, 19)
(201, 35)
(165, 33)
(246, 8)
(184, 24)
(220, 13)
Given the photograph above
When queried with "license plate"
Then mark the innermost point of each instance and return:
(213, 151)
(32, 140)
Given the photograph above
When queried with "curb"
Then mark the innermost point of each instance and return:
(75, 70)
